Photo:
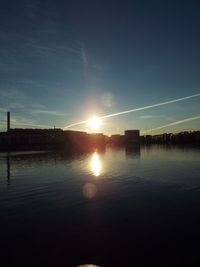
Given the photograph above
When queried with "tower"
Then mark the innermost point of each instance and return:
(8, 121)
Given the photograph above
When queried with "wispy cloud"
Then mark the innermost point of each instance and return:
(50, 112)
(172, 124)
(21, 124)
(21, 121)
(150, 116)
(3, 109)
(98, 67)
(48, 50)
(32, 125)
(10, 94)
(84, 57)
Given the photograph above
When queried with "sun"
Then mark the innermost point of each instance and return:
(94, 123)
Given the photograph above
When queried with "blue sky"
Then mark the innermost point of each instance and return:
(65, 61)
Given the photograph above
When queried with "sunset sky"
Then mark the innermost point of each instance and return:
(63, 62)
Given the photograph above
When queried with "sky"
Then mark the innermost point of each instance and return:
(63, 62)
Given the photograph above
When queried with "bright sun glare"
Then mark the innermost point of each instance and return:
(94, 123)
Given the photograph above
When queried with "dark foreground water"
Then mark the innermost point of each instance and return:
(114, 208)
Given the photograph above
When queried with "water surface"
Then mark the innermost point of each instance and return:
(112, 208)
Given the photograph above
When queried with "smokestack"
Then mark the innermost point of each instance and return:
(8, 121)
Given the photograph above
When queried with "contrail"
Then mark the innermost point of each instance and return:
(172, 124)
(136, 109)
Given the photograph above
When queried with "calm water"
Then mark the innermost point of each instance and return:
(110, 208)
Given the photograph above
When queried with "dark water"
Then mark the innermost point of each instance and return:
(114, 208)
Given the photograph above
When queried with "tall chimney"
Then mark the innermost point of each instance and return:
(8, 121)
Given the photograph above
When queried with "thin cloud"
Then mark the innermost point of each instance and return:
(27, 124)
(32, 125)
(172, 124)
(150, 116)
(84, 57)
(11, 94)
(50, 112)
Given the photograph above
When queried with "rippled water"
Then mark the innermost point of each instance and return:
(109, 208)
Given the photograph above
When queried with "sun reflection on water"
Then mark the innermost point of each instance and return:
(88, 265)
(95, 164)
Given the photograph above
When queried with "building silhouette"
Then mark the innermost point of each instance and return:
(55, 138)
(132, 136)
